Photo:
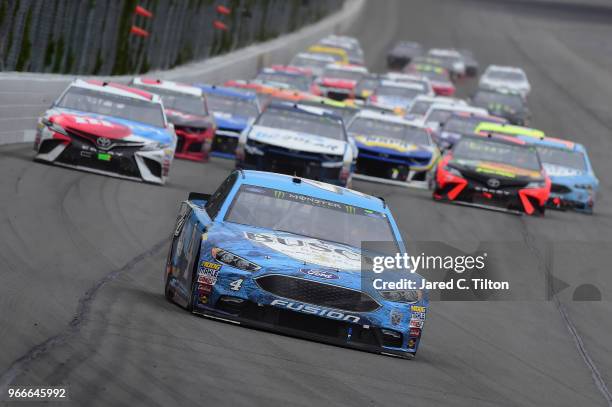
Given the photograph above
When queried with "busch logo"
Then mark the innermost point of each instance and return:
(314, 310)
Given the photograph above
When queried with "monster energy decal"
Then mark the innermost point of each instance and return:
(310, 200)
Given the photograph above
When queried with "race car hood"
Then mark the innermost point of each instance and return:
(338, 83)
(108, 126)
(393, 101)
(291, 254)
(496, 169)
(387, 145)
(187, 119)
(230, 122)
(293, 140)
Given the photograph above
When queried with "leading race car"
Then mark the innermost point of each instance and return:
(233, 109)
(392, 150)
(402, 53)
(107, 128)
(574, 184)
(284, 254)
(298, 140)
(186, 110)
(495, 172)
(505, 77)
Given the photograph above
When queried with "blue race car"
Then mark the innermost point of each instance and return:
(233, 110)
(574, 184)
(284, 253)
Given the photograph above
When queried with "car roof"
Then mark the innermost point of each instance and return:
(404, 85)
(505, 68)
(348, 67)
(387, 117)
(114, 88)
(554, 142)
(457, 108)
(228, 91)
(168, 85)
(501, 138)
(440, 99)
(318, 57)
(312, 188)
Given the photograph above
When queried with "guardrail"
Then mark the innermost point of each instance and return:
(24, 96)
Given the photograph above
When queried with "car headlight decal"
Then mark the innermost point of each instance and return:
(233, 260)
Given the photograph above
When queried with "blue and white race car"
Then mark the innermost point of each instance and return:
(574, 184)
(285, 254)
(392, 150)
(233, 110)
(294, 139)
(107, 128)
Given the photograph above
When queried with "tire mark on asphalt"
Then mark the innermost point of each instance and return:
(78, 320)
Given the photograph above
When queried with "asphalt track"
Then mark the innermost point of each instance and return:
(81, 260)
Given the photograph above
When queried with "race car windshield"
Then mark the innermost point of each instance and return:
(371, 127)
(293, 81)
(461, 125)
(343, 74)
(295, 120)
(490, 99)
(181, 102)
(506, 76)
(345, 112)
(439, 115)
(309, 216)
(88, 100)
(396, 91)
(562, 158)
(493, 151)
(421, 107)
(305, 62)
(232, 106)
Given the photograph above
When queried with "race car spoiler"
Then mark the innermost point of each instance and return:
(404, 184)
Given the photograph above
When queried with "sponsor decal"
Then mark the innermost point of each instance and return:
(204, 288)
(417, 308)
(309, 250)
(297, 141)
(493, 183)
(560, 171)
(236, 285)
(207, 274)
(418, 315)
(314, 310)
(416, 323)
(415, 332)
(203, 298)
(411, 343)
(385, 142)
(396, 317)
(328, 275)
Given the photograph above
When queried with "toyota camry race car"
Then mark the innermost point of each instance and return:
(186, 110)
(438, 76)
(298, 140)
(495, 172)
(574, 184)
(107, 128)
(285, 254)
(392, 150)
(233, 110)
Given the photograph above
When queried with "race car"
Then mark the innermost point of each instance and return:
(415, 78)
(292, 79)
(366, 85)
(315, 62)
(392, 150)
(421, 104)
(339, 55)
(574, 184)
(451, 59)
(107, 128)
(461, 124)
(439, 113)
(502, 103)
(438, 76)
(471, 64)
(338, 81)
(402, 53)
(505, 77)
(298, 140)
(396, 95)
(284, 254)
(350, 45)
(233, 110)
(495, 172)
(186, 109)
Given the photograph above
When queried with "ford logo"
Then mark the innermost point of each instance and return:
(320, 273)
(493, 182)
(103, 142)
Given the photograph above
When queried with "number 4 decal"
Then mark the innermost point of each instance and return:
(235, 285)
